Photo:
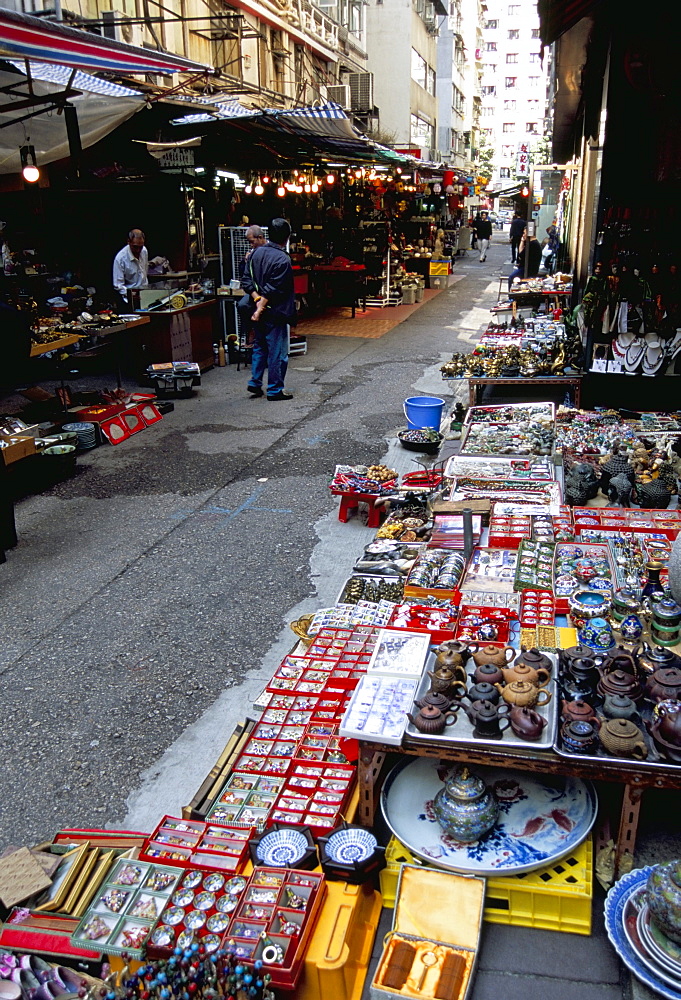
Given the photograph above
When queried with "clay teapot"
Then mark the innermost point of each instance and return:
(619, 658)
(665, 747)
(574, 711)
(434, 699)
(665, 729)
(533, 658)
(523, 693)
(572, 653)
(650, 659)
(488, 719)
(580, 736)
(622, 738)
(451, 654)
(432, 720)
(620, 706)
(664, 683)
(526, 723)
(619, 682)
(520, 671)
(483, 692)
(445, 680)
(487, 673)
(491, 654)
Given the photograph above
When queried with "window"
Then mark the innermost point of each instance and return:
(487, 132)
(513, 8)
(430, 80)
(533, 81)
(490, 46)
(531, 127)
(487, 112)
(535, 57)
(511, 82)
(514, 33)
(491, 69)
(535, 33)
(508, 127)
(507, 151)
(511, 57)
(491, 24)
(418, 68)
(489, 91)
(504, 172)
(509, 105)
(458, 100)
(532, 104)
(421, 132)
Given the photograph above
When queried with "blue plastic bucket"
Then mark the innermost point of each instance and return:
(423, 411)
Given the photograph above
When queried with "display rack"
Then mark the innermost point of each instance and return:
(233, 247)
(377, 258)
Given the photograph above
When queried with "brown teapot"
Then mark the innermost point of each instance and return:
(487, 673)
(451, 654)
(572, 653)
(652, 658)
(619, 682)
(665, 730)
(663, 684)
(622, 738)
(619, 658)
(431, 720)
(520, 671)
(533, 658)
(489, 721)
(574, 711)
(526, 723)
(524, 694)
(491, 654)
(447, 681)
(434, 699)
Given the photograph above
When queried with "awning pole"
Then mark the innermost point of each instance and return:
(73, 133)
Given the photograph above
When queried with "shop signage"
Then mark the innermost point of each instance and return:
(523, 160)
(177, 158)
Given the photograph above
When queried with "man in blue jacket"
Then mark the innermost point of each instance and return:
(268, 279)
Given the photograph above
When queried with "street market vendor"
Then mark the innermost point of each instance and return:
(131, 265)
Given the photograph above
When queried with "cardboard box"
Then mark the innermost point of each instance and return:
(429, 953)
(20, 446)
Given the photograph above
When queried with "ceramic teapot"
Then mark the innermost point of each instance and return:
(620, 706)
(649, 659)
(664, 683)
(465, 808)
(580, 736)
(622, 738)
(446, 651)
(487, 673)
(435, 699)
(483, 692)
(488, 719)
(445, 680)
(526, 723)
(619, 658)
(523, 693)
(579, 652)
(491, 654)
(574, 711)
(665, 747)
(619, 682)
(520, 671)
(663, 893)
(533, 658)
(432, 720)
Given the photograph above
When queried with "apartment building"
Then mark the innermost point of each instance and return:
(402, 55)
(514, 84)
(459, 83)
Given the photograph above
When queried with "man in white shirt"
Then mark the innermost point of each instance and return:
(131, 264)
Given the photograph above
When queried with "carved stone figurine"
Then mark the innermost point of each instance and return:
(581, 484)
(620, 490)
(613, 465)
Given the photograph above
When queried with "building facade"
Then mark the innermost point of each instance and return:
(459, 83)
(514, 86)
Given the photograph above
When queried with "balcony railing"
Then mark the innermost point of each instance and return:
(317, 23)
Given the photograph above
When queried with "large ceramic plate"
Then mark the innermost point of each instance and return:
(615, 909)
(655, 957)
(540, 818)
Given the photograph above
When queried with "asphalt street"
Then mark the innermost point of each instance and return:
(149, 598)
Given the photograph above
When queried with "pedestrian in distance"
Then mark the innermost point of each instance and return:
(268, 279)
(484, 231)
(531, 247)
(515, 235)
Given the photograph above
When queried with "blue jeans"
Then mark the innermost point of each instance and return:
(517, 272)
(270, 351)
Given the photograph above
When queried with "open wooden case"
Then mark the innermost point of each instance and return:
(431, 951)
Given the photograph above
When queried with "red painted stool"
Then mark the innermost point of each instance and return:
(351, 501)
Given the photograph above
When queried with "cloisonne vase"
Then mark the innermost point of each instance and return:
(465, 808)
(663, 891)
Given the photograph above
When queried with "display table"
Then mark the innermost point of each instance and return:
(476, 385)
(634, 779)
(340, 285)
(185, 334)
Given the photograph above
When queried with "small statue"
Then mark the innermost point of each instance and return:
(621, 490)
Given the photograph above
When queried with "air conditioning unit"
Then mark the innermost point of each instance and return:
(343, 33)
(435, 155)
(339, 95)
(117, 26)
(362, 90)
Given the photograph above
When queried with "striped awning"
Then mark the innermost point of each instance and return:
(26, 37)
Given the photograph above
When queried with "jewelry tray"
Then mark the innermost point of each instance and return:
(461, 732)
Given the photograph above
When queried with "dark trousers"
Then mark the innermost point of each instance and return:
(515, 243)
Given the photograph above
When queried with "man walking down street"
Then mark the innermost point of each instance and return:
(268, 279)
(484, 228)
(515, 235)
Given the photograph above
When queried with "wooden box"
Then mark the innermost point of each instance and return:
(433, 946)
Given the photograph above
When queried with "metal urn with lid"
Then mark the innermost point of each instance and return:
(663, 892)
(465, 808)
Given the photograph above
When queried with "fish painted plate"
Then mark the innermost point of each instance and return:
(541, 818)
(615, 912)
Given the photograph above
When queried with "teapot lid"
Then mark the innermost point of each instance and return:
(430, 712)
(661, 654)
(669, 676)
(622, 727)
(485, 709)
(667, 608)
(483, 687)
(618, 700)
(466, 785)
(532, 654)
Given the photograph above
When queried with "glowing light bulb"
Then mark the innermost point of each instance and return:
(31, 174)
(330, 178)
(299, 188)
(265, 180)
(315, 187)
(248, 189)
(358, 174)
(281, 191)
(307, 188)
(259, 189)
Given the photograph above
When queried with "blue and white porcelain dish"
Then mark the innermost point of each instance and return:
(540, 819)
(282, 848)
(347, 847)
(614, 911)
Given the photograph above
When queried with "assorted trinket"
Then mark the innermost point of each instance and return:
(535, 565)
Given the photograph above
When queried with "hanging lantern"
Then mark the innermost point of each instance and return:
(265, 180)
(449, 190)
(358, 174)
(307, 188)
(281, 191)
(437, 188)
(330, 178)
(248, 189)
(259, 189)
(315, 187)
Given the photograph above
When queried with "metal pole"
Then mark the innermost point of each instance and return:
(530, 203)
(467, 532)
(73, 133)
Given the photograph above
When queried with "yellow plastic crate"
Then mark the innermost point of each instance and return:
(439, 268)
(556, 898)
